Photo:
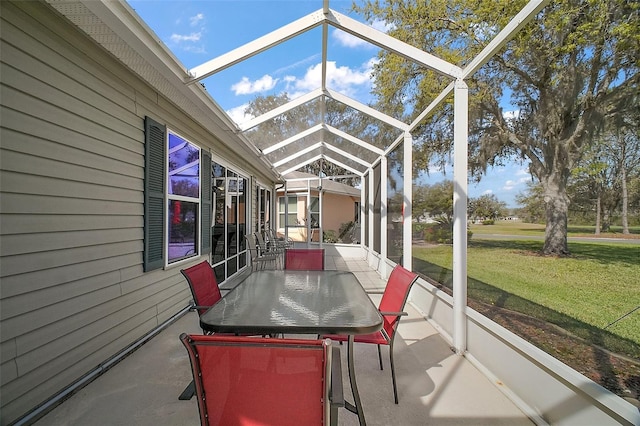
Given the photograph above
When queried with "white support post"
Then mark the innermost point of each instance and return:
(320, 210)
(383, 215)
(308, 213)
(362, 211)
(407, 205)
(370, 216)
(460, 160)
(285, 225)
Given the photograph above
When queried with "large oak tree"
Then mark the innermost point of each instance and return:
(566, 74)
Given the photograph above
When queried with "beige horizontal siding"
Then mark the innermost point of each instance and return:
(34, 223)
(71, 205)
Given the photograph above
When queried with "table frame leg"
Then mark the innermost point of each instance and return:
(357, 407)
(188, 392)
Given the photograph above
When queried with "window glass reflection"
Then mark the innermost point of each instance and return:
(183, 220)
(184, 167)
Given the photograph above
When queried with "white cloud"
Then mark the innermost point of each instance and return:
(238, 115)
(511, 115)
(247, 87)
(509, 185)
(179, 38)
(194, 49)
(195, 20)
(342, 79)
(487, 192)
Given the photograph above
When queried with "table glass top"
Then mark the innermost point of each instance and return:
(305, 302)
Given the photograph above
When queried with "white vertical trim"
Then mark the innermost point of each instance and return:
(460, 160)
(308, 213)
(371, 211)
(407, 219)
(361, 212)
(383, 215)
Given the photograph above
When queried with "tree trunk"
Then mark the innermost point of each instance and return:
(625, 198)
(598, 209)
(606, 221)
(557, 209)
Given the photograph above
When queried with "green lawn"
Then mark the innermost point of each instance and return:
(583, 293)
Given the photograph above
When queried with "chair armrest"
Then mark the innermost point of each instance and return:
(336, 394)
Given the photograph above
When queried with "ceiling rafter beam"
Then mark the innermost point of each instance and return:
(347, 155)
(308, 132)
(344, 166)
(322, 157)
(256, 46)
(374, 113)
(304, 163)
(353, 139)
(394, 45)
(301, 100)
(290, 158)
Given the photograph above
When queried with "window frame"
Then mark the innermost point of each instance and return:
(170, 197)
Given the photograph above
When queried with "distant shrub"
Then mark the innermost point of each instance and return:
(440, 232)
(488, 222)
(329, 236)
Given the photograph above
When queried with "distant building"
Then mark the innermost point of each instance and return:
(327, 204)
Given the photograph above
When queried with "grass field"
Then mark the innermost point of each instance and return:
(583, 293)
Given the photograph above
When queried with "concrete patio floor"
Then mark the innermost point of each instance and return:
(435, 386)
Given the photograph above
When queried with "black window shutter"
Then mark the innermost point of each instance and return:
(154, 194)
(205, 189)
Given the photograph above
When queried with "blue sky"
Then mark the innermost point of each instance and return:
(197, 31)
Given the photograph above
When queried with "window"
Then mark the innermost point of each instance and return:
(183, 194)
(314, 212)
(229, 221)
(263, 204)
(175, 205)
(291, 211)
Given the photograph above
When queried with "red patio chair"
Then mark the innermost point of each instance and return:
(393, 300)
(206, 293)
(304, 259)
(245, 381)
(203, 285)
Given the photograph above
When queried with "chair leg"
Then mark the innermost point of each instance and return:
(393, 375)
(380, 357)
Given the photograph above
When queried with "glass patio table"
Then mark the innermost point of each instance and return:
(298, 302)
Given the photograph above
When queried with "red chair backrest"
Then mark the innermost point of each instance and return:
(258, 381)
(395, 296)
(203, 285)
(304, 259)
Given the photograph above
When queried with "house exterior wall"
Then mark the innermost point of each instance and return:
(336, 210)
(72, 288)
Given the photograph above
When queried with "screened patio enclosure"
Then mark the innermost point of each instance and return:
(325, 133)
(101, 45)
